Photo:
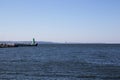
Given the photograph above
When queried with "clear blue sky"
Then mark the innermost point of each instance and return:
(60, 20)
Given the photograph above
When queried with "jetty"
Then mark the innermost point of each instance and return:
(7, 45)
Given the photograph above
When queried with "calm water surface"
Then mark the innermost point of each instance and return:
(61, 62)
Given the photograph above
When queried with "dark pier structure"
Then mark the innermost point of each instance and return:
(4, 45)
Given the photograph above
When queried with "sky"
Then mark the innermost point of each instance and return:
(77, 21)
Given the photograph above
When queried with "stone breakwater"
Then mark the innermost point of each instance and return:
(7, 45)
(16, 45)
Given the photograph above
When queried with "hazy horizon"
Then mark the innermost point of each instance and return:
(71, 21)
(51, 42)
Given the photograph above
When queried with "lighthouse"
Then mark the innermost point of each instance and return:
(33, 42)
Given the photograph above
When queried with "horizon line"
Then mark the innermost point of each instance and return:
(53, 42)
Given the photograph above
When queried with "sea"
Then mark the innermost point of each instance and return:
(61, 62)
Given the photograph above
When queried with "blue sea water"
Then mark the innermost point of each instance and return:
(61, 62)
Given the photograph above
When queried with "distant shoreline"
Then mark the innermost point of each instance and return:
(45, 42)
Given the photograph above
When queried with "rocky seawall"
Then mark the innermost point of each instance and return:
(7, 45)
(16, 45)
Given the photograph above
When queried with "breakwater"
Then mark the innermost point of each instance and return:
(16, 45)
(7, 45)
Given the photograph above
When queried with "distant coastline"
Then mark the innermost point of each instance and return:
(48, 42)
